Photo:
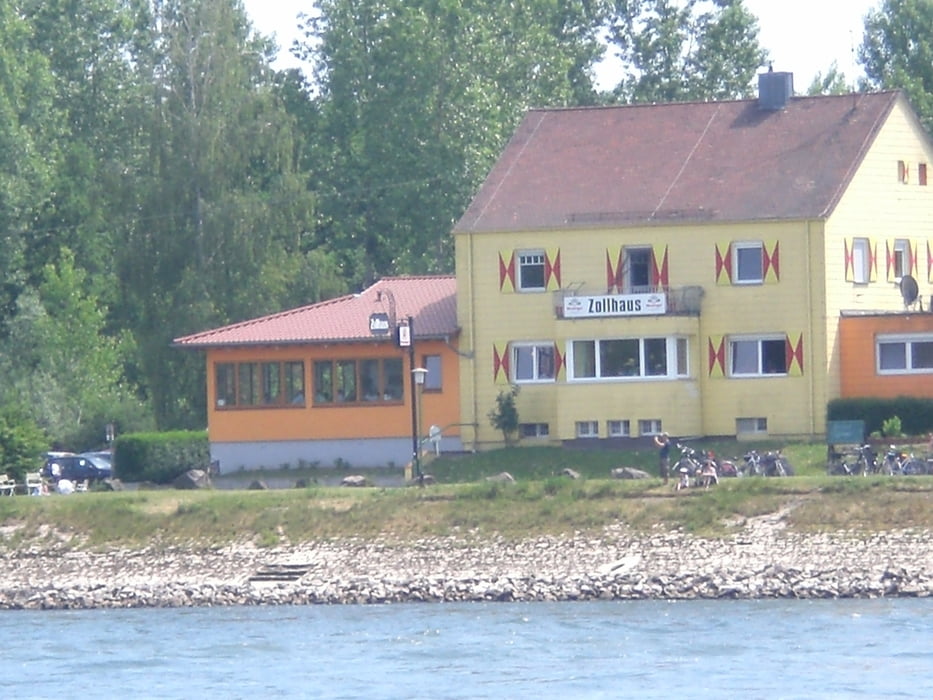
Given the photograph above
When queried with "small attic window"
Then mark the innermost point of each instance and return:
(922, 174)
(903, 172)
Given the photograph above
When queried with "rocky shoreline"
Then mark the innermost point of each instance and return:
(762, 560)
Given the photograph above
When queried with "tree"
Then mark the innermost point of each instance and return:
(29, 149)
(897, 52)
(673, 51)
(224, 216)
(61, 363)
(833, 82)
(414, 101)
(504, 416)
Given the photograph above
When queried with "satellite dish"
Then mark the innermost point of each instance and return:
(909, 289)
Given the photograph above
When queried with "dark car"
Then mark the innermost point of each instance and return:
(76, 468)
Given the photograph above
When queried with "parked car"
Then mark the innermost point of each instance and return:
(76, 468)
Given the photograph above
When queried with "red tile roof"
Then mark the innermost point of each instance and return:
(430, 300)
(696, 161)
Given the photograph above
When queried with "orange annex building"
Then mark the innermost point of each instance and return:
(328, 384)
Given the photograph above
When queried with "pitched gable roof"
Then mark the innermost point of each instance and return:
(430, 300)
(695, 161)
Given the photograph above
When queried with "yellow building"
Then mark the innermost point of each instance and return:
(684, 267)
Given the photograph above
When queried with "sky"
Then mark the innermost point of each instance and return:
(802, 36)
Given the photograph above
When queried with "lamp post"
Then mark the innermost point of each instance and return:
(417, 388)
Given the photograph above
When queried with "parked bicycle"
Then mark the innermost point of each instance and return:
(768, 464)
(899, 462)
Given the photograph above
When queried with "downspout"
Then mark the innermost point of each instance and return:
(810, 313)
(473, 398)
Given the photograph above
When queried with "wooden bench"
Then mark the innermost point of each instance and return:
(7, 486)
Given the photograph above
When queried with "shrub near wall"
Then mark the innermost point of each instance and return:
(160, 457)
(916, 414)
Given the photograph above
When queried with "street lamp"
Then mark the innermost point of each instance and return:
(417, 383)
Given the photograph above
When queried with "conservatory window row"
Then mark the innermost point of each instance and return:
(259, 384)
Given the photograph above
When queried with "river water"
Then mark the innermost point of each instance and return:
(644, 649)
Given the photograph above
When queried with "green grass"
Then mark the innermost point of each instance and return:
(463, 502)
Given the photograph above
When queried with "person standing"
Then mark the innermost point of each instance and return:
(663, 441)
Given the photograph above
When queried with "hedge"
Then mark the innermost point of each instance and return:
(916, 414)
(159, 457)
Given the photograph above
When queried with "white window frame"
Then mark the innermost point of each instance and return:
(900, 256)
(907, 341)
(677, 359)
(757, 341)
(531, 259)
(737, 248)
(751, 426)
(650, 426)
(861, 260)
(621, 427)
(538, 364)
(632, 252)
(587, 429)
(534, 431)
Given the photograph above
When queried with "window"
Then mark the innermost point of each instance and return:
(649, 426)
(861, 261)
(587, 429)
(618, 428)
(637, 273)
(628, 358)
(225, 384)
(534, 430)
(259, 384)
(753, 357)
(748, 262)
(922, 174)
(248, 384)
(367, 381)
(531, 271)
(432, 380)
(533, 363)
(902, 172)
(743, 426)
(901, 257)
(905, 354)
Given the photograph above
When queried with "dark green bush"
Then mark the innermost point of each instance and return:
(916, 414)
(160, 457)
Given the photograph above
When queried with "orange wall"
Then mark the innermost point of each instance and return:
(857, 350)
(311, 422)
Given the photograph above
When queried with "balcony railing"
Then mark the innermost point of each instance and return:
(579, 302)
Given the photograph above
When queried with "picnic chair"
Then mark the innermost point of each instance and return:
(34, 484)
(7, 485)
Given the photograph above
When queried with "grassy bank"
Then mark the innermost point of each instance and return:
(463, 502)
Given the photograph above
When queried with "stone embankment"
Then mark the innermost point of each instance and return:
(762, 561)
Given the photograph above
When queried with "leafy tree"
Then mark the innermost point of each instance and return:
(225, 218)
(677, 51)
(65, 367)
(833, 82)
(414, 101)
(21, 442)
(897, 52)
(29, 148)
(504, 416)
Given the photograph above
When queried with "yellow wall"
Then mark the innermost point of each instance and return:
(879, 207)
(351, 421)
(696, 405)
